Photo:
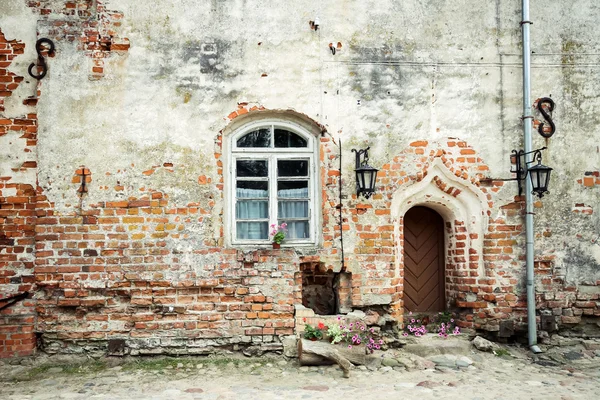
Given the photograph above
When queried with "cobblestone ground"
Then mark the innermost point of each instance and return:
(513, 374)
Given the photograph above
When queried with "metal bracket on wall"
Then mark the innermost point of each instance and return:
(83, 188)
(41, 62)
(547, 117)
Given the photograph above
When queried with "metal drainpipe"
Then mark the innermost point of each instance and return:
(527, 125)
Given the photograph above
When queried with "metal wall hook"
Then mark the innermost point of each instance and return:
(547, 117)
(41, 62)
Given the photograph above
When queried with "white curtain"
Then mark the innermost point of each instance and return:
(252, 209)
(259, 209)
(294, 209)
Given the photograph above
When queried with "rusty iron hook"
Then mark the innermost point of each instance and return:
(41, 61)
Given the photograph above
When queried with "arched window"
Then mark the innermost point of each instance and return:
(272, 181)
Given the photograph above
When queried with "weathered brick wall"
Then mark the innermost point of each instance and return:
(147, 271)
(89, 23)
(107, 273)
(18, 198)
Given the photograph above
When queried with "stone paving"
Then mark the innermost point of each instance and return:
(513, 373)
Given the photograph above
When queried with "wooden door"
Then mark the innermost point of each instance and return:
(424, 289)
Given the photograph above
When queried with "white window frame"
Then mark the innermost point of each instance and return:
(272, 154)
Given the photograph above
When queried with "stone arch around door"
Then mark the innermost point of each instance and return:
(464, 209)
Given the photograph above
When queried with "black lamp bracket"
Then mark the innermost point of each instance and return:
(521, 166)
(364, 153)
(363, 187)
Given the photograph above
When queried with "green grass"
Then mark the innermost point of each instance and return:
(162, 363)
(500, 352)
(86, 367)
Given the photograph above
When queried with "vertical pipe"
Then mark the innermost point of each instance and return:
(343, 269)
(527, 125)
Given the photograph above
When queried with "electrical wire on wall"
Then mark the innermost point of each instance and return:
(343, 269)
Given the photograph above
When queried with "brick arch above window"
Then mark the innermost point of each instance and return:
(244, 115)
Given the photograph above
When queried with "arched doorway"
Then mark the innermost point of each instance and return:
(424, 277)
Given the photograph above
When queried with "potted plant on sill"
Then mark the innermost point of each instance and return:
(278, 233)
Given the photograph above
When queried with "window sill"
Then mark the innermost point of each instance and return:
(304, 247)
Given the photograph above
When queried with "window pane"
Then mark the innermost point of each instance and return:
(252, 168)
(252, 189)
(293, 209)
(285, 138)
(292, 167)
(252, 230)
(252, 209)
(292, 189)
(297, 229)
(258, 138)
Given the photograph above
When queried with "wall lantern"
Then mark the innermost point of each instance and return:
(539, 174)
(365, 174)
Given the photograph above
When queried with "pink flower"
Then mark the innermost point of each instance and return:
(405, 334)
(412, 321)
(349, 346)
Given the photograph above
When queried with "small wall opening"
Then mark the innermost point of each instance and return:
(319, 291)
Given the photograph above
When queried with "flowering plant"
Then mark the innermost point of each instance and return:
(353, 334)
(335, 333)
(442, 323)
(311, 332)
(278, 232)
